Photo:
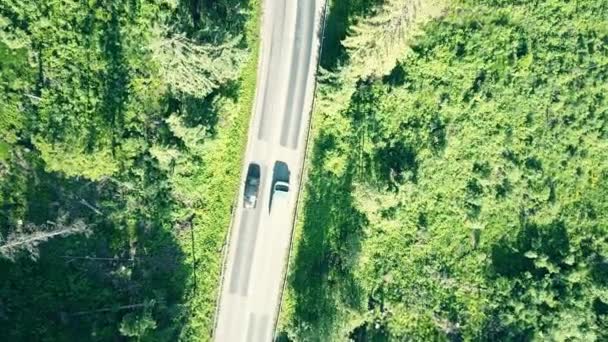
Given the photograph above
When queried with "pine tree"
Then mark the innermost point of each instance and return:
(196, 69)
(376, 42)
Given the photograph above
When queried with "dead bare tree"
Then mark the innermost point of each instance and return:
(29, 236)
(65, 317)
(115, 308)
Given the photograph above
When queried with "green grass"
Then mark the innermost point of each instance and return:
(223, 159)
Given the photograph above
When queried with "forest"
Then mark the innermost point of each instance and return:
(457, 179)
(122, 123)
(456, 185)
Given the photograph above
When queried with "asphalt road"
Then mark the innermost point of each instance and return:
(259, 240)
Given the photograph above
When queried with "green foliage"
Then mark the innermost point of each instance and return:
(63, 158)
(375, 42)
(194, 70)
(341, 14)
(136, 325)
(15, 73)
(477, 169)
(4, 151)
(130, 117)
(217, 180)
(29, 237)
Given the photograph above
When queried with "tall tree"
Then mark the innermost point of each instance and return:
(376, 42)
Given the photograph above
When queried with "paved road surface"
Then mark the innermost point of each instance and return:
(259, 238)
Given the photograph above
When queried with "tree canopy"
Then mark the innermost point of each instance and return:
(463, 194)
(108, 189)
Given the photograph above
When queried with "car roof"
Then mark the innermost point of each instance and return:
(253, 170)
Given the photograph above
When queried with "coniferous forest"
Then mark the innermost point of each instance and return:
(121, 126)
(456, 184)
(458, 180)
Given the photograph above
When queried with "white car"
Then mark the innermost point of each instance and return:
(280, 186)
(280, 195)
(280, 189)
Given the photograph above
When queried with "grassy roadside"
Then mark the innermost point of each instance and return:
(149, 163)
(469, 184)
(223, 157)
(288, 304)
(322, 299)
(331, 52)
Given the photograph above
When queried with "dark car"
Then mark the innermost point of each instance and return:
(252, 186)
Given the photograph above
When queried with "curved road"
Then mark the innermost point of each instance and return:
(259, 240)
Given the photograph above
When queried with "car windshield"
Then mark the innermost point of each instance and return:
(281, 187)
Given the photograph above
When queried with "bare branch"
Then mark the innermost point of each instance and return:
(22, 241)
(90, 206)
(115, 308)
